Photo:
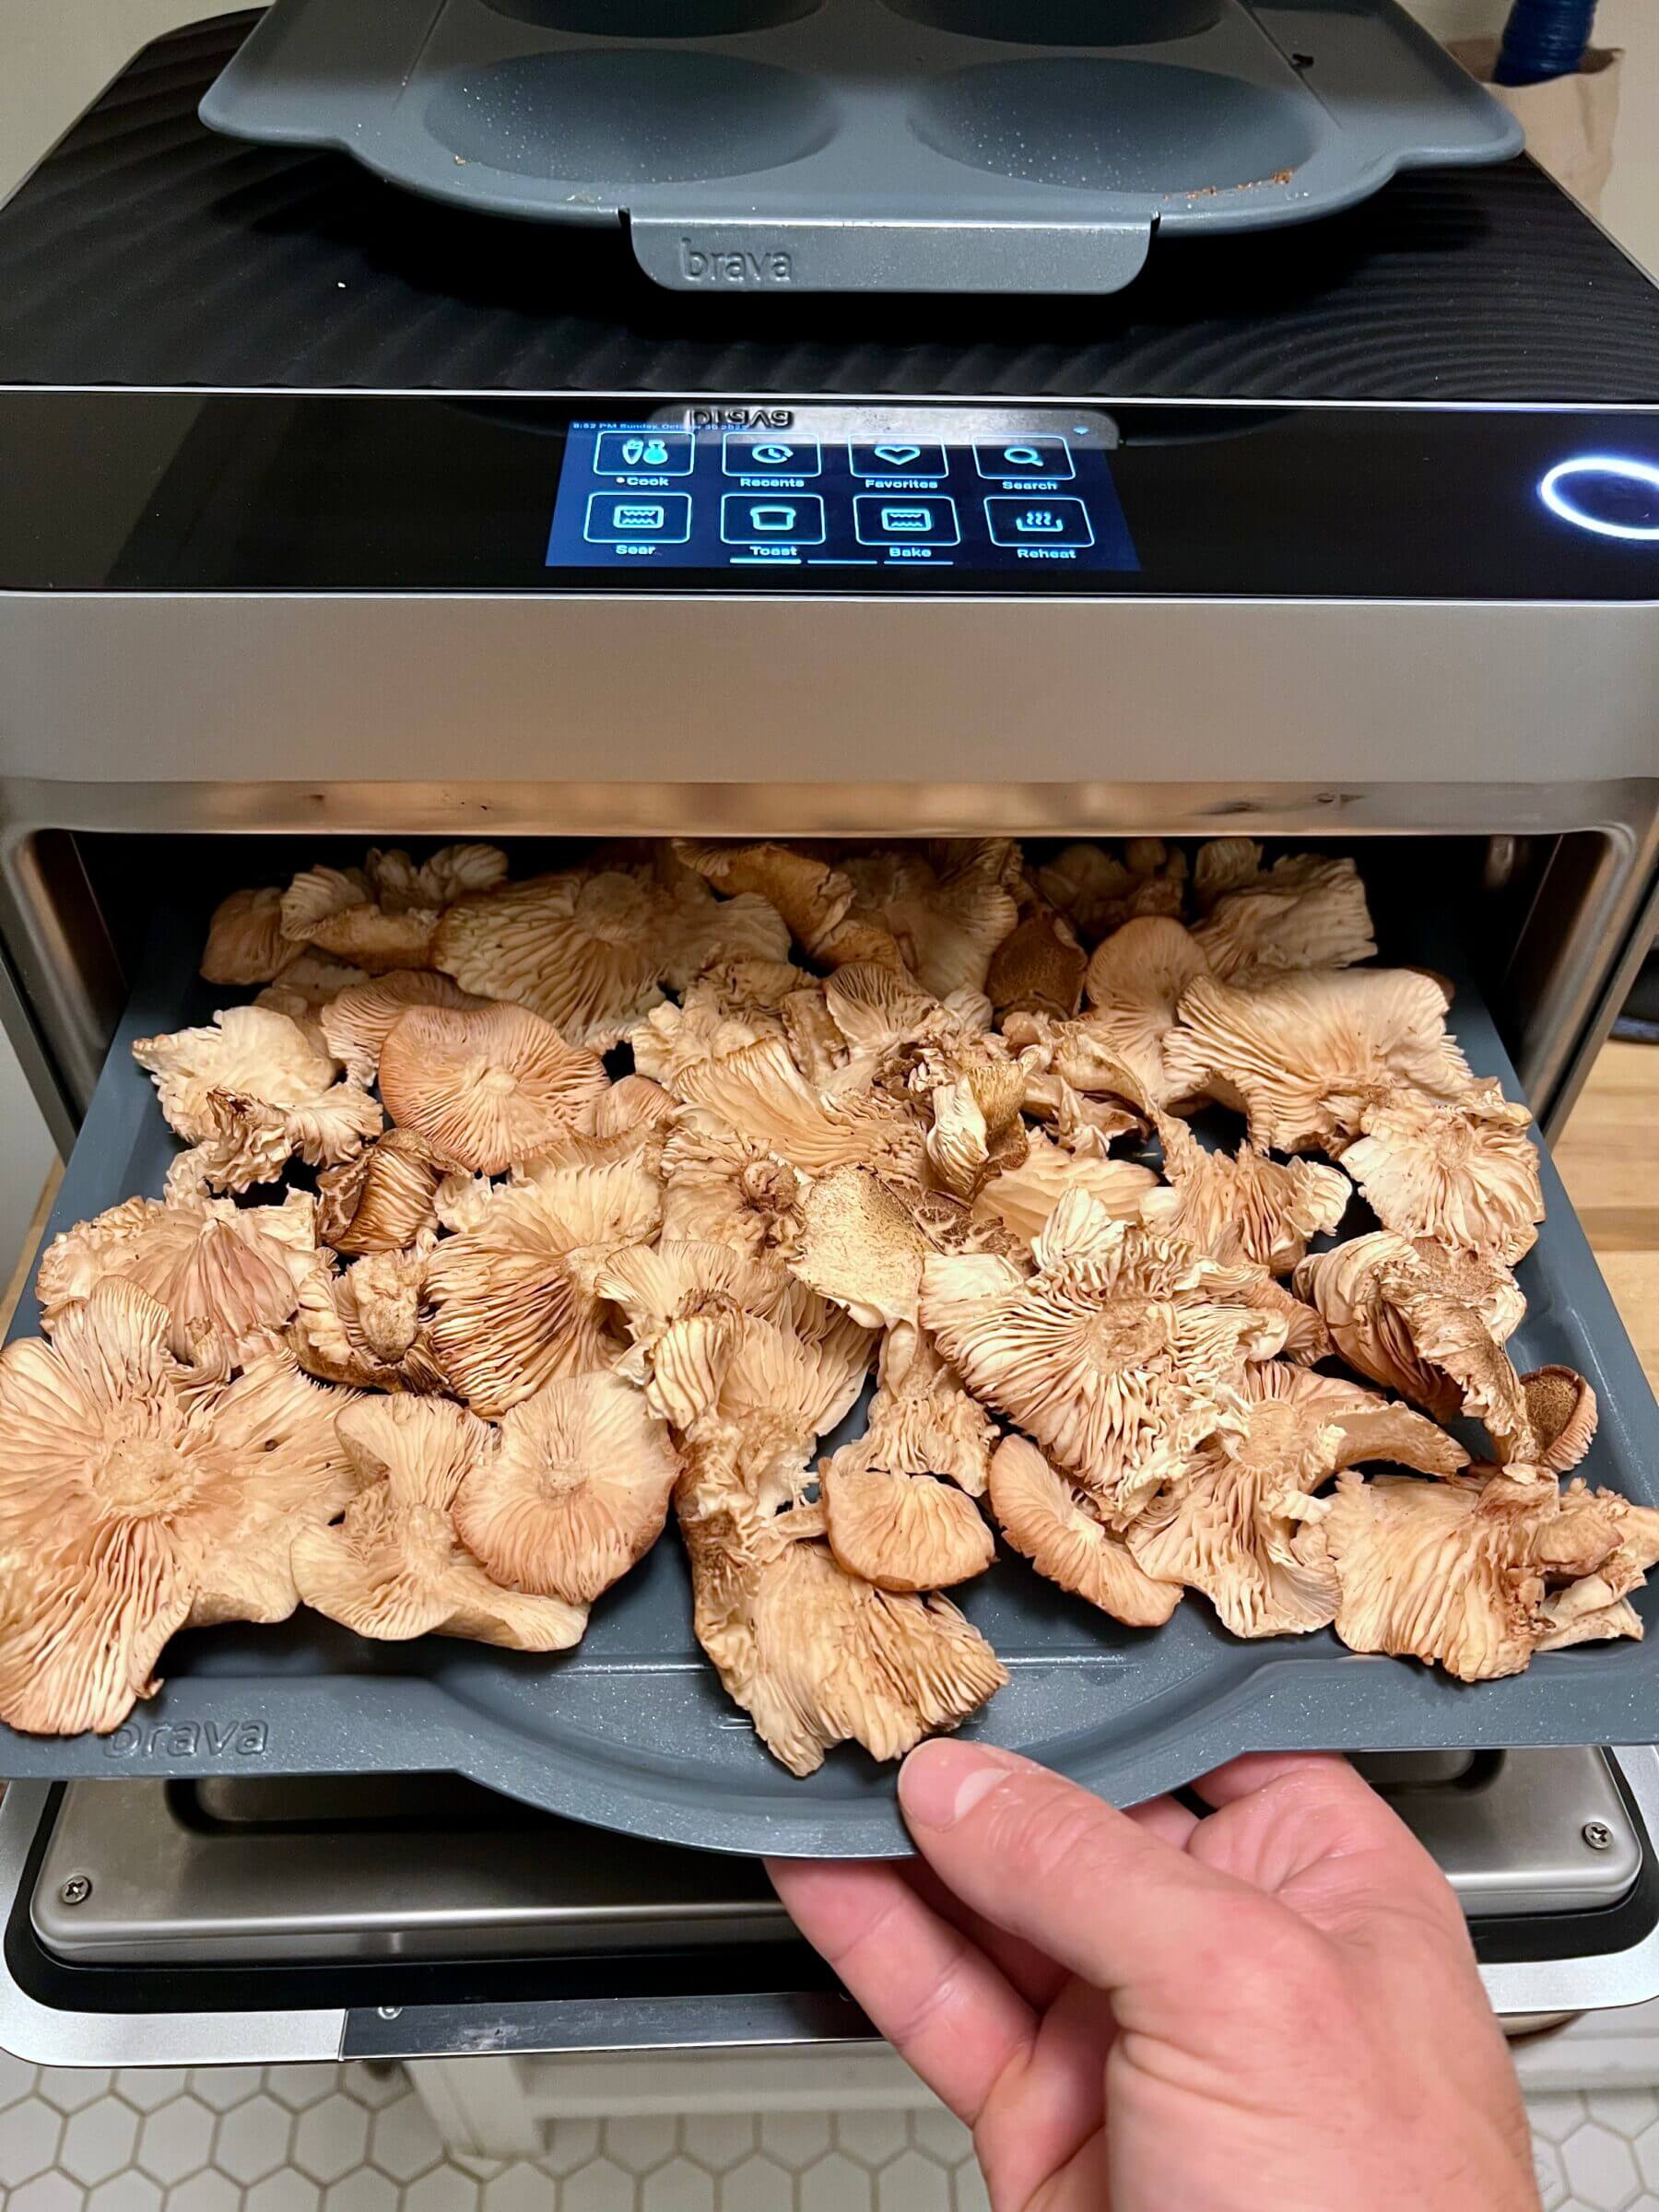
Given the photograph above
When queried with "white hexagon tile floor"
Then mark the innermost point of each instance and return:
(354, 2139)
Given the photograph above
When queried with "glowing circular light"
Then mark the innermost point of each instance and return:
(1553, 491)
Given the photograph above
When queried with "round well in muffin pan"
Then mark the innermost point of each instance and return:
(655, 18)
(1097, 125)
(630, 116)
(1063, 22)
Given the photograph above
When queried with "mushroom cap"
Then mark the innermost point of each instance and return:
(812, 896)
(900, 1532)
(453, 872)
(1463, 1171)
(367, 1325)
(245, 1051)
(1562, 1413)
(1224, 863)
(384, 1200)
(704, 932)
(923, 1419)
(315, 977)
(1399, 1318)
(707, 1027)
(1121, 1356)
(357, 1023)
(1134, 985)
(1023, 1198)
(336, 911)
(488, 1087)
(246, 944)
(1461, 1571)
(876, 1007)
(576, 1491)
(860, 1245)
(1047, 1519)
(585, 951)
(633, 1104)
(727, 1187)
(514, 1301)
(395, 1568)
(1038, 968)
(1243, 1527)
(1305, 912)
(814, 1656)
(1270, 1207)
(1099, 891)
(237, 1267)
(946, 921)
(1304, 1056)
(759, 1091)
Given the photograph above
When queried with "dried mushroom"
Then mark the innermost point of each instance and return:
(1304, 912)
(1271, 1207)
(1097, 891)
(723, 1186)
(1057, 1527)
(582, 951)
(1039, 968)
(901, 1532)
(210, 1262)
(1463, 1171)
(367, 1325)
(814, 898)
(1023, 1198)
(860, 1245)
(814, 1656)
(923, 1418)
(1243, 1527)
(1481, 1571)
(947, 920)
(1121, 1356)
(386, 1199)
(395, 1568)
(1134, 986)
(1401, 1318)
(356, 1022)
(336, 911)
(489, 1087)
(247, 1092)
(1305, 1055)
(122, 1507)
(246, 944)
(1561, 1414)
(575, 1493)
(759, 1091)
(514, 1301)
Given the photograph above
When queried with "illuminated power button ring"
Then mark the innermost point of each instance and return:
(1606, 493)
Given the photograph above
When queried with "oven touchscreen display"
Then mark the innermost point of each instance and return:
(952, 490)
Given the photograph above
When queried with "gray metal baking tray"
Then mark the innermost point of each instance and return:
(920, 145)
(633, 1732)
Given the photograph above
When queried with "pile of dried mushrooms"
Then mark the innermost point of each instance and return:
(921, 1110)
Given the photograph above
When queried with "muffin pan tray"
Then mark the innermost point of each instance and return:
(633, 1732)
(960, 145)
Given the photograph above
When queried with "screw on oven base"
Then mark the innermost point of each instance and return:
(388, 2012)
(75, 1890)
(1597, 1834)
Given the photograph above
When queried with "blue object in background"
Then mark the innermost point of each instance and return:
(1544, 39)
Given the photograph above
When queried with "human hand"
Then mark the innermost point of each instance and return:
(1275, 2008)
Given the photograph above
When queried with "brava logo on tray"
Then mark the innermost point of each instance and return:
(714, 264)
(188, 1739)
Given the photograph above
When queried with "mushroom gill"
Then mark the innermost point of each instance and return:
(487, 1087)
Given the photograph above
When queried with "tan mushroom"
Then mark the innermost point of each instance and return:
(817, 1656)
(1561, 1414)
(335, 909)
(246, 944)
(660, 1291)
(1134, 985)
(585, 952)
(367, 1325)
(489, 1087)
(1479, 1572)
(1099, 891)
(247, 1092)
(1039, 968)
(1270, 1207)
(453, 872)
(313, 979)
(575, 1493)
(121, 1506)
(1057, 1527)
(726, 1187)
(1305, 1055)
(923, 1418)
(702, 932)
(1405, 1321)
(514, 1301)
(237, 1267)
(814, 898)
(876, 1007)
(1461, 1171)
(1223, 864)
(709, 1026)
(1244, 1526)
(947, 920)
(384, 1200)
(1304, 912)
(860, 1245)
(395, 1568)
(901, 1532)
(1023, 1198)
(634, 1107)
(759, 1091)
(356, 1022)
(1121, 1356)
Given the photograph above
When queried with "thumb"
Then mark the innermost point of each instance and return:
(1105, 1898)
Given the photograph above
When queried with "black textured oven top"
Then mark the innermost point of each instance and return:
(148, 251)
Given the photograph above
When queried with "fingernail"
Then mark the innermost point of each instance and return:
(941, 1782)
